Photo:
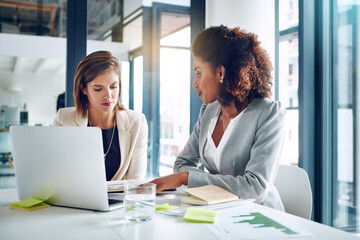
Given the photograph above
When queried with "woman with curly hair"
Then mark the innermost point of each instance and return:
(239, 133)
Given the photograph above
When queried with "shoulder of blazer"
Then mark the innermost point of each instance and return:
(265, 108)
(67, 112)
(127, 118)
(264, 104)
(134, 115)
(69, 117)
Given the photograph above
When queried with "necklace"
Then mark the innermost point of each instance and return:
(111, 139)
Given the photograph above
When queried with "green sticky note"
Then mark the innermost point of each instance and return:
(29, 204)
(165, 206)
(200, 215)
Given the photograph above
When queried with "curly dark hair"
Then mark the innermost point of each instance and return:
(247, 64)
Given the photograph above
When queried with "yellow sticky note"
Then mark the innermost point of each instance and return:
(165, 206)
(29, 204)
(200, 215)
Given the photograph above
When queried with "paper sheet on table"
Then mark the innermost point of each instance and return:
(183, 207)
(239, 223)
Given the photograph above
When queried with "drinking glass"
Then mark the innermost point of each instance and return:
(139, 202)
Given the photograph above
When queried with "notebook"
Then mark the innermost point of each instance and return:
(63, 166)
(208, 195)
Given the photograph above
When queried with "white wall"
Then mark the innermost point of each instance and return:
(257, 16)
(38, 91)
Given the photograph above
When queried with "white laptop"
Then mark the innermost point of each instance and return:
(62, 165)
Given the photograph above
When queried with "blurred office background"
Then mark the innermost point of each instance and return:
(313, 46)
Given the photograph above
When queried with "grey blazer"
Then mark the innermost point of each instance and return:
(250, 158)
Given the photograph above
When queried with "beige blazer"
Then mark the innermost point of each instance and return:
(133, 136)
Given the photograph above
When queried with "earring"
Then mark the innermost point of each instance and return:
(221, 80)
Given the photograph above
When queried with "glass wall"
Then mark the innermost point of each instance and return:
(289, 77)
(32, 69)
(346, 97)
(105, 32)
(138, 83)
(133, 38)
(174, 88)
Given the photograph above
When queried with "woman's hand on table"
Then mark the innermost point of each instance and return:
(171, 181)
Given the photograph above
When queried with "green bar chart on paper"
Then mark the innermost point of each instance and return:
(262, 221)
(236, 223)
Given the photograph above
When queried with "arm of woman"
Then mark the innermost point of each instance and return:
(171, 181)
(138, 163)
(262, 166)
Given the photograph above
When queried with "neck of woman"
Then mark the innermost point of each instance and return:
(102, 120)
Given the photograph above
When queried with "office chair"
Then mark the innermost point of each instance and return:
(295, 191)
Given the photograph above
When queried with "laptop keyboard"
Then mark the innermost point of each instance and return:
(114, 201)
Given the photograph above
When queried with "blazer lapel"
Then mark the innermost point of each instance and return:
(81, 121)
(211, 111)
(208, 115)
(122, 121)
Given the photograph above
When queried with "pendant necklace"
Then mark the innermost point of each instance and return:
(111, 140)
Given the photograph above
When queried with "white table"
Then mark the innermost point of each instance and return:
(67, 223)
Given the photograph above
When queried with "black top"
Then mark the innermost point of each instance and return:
(113, 158)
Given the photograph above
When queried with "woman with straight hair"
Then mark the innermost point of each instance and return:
(97, 89)
(239, 134)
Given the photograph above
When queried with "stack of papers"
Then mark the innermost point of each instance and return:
(208, 195)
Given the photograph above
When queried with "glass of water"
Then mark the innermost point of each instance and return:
(139, 202)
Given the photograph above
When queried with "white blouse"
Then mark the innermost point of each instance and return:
(212, 153)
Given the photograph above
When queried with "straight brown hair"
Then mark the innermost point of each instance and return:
(88, 69)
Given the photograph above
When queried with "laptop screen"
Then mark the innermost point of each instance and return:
(61, 165)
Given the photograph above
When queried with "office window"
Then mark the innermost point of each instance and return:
(33, 17)
(174, 88)
(105, 32)
(133, 38)
(138, 83)
(347, 117)
(133, 31)
(288, 14)
(289, 77)
(103, 18)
